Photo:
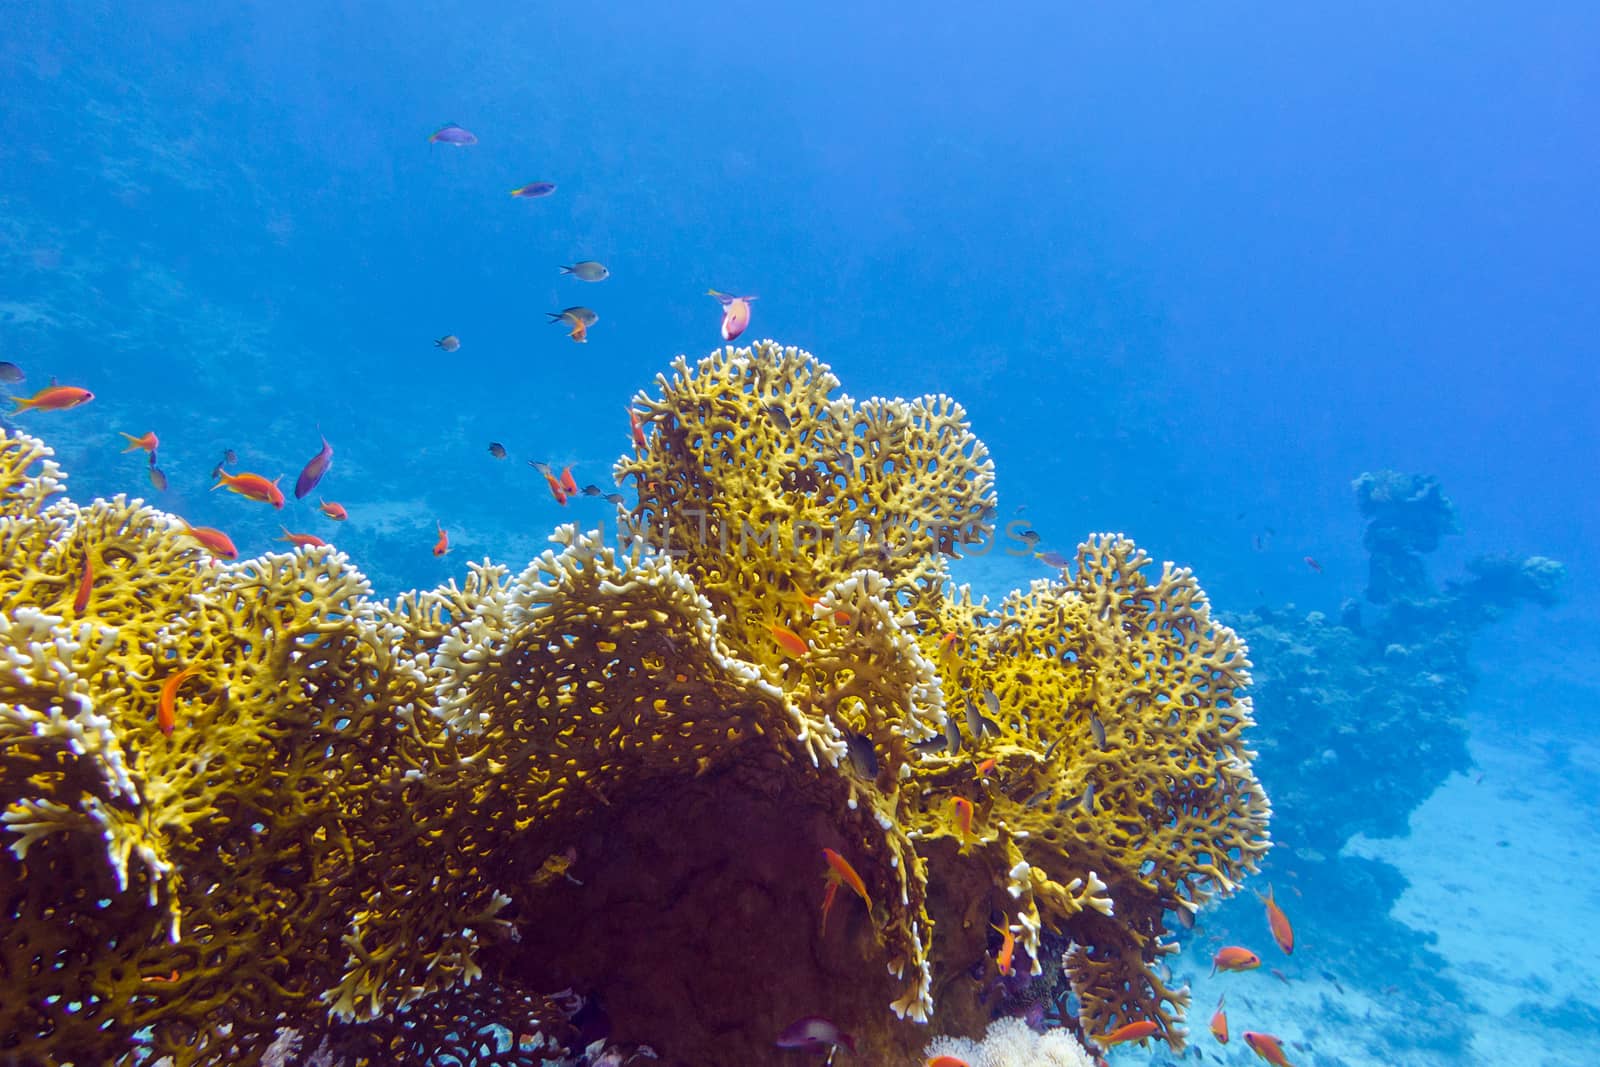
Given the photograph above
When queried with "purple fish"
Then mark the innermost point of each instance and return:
(535, 189)
(314, 470)
(450, 133)
(814, 1034)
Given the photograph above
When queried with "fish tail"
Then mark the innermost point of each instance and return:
(566, 270)
(23, 404)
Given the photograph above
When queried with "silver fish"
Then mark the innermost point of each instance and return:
(779, 417)
(1097, 728)
(863, 757)
(952, 734)
(588, 271)
(993, 703)
(1088, 797)
(1038, 798)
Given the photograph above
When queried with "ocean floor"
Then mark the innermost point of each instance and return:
(1501, 864)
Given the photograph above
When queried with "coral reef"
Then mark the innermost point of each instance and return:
(399, 832)
(1374, 702)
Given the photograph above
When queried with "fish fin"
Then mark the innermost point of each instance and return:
(567, 270)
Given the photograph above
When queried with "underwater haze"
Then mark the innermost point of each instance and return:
(1191, 271)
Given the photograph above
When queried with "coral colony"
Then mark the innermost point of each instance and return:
(459, 826)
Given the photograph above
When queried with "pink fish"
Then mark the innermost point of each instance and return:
(314, 470)
(735, 313)
(814, 1034)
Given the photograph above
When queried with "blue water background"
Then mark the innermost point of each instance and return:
(1189, 269)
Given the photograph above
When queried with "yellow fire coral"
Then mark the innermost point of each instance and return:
(387, 827)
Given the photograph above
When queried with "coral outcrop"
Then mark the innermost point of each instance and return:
(1375, 701)
(436, 827)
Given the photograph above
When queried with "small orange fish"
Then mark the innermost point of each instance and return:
(555, 489)
(1008, 947)
(945, 1061)
(85, 586)
(1278, 922)
(813, 602)
(149, 442)
(569, 484)
(173, 977)
(302, 540)
(639, 441)
(1234, 958)
(1267, 1047)
(789, 641)
(55, 398)
(961, 810)
(441, 546)
(1219, 1021)
(336, 512)
(948, 646)
(251, 487)
(166, 716)
(841, 873)
(216, 541)
(735, 313)
(986, 768)
(1128, 1032)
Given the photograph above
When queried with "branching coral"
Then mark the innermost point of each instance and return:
(615, 771)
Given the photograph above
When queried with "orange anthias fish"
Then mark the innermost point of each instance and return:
(1234, 958)
(986, 768)
(1267, 1047)
(961, 811)
(841, 873)
(216, 541)
(302, 540)
(945, 1061)
(813, 602)
(1008, 948)
(251, 486)
(336, 512)
(1128, 1032)
(85, 586)
(555, 488)
(639, 441)
(441, 546)
(1282, 932)
(149, 442)
(735, 313)
(579, 332)
(166, 717)
(1219, 1021)
(55, 398)
(789, 641)
(569, 484)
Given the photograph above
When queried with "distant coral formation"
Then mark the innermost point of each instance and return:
(251, 809)
(1367, 722)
